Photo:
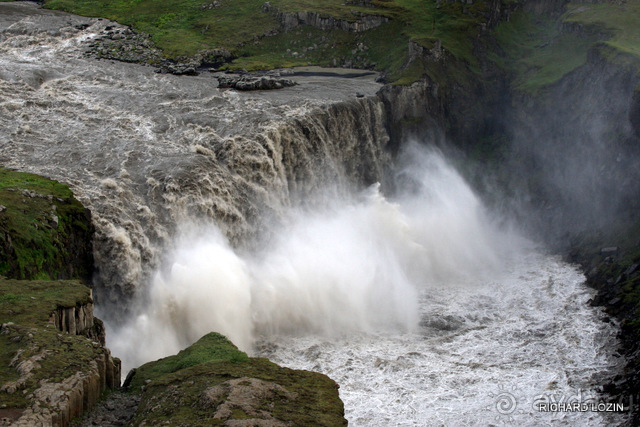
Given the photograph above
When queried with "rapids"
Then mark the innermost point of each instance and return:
(146, 151)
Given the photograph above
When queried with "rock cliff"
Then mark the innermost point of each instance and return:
(45, 233)
(360, 22)
(53, 361)
(53, 366)
(213, 383)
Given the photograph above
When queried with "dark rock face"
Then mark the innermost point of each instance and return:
(249, 82)
(116, 410)
(616, 277)
(79, 320)
(634, 112)
(577, 140)
(44, 231)
(362, 22)
(414, 112)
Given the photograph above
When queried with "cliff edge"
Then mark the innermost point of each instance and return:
(53, 361)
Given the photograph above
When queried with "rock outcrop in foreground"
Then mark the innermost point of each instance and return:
(214, 383)
(53, 362)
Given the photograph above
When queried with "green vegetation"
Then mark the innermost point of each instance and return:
(619, 19)
(537, 52)
(254, 36)
(210, 348)
(32, 302)
(45, 233)
(213, 382)
(27, 333)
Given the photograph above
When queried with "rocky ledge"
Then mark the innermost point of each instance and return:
(53, 364)
(358, 23)
(253, 82)
(612, 265)
(214, 383)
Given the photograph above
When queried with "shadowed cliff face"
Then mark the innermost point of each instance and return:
(146, 151)
(575, 151)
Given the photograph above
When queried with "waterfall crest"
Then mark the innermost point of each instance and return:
(147, 151)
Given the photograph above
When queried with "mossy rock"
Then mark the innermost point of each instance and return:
(45, 233)
(31, 302)
(213, 383)
(32, 349)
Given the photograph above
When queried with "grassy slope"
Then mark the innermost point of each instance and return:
(185, 27)
(172, 388)
(28, 305)
(621, 20)
(539, 53)
(536, 52)
(32, 245)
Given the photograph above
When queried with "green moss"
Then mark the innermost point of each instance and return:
(30, 302)
(537, 52)
(25, 309)
(619, 19)
(39, 222)
(174, 388)
(212, 347)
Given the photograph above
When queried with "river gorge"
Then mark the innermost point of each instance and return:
(295, 223)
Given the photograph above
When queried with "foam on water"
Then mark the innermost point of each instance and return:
(526, 336)
(420, 308)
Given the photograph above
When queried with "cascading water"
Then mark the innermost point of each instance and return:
(144, 150)
(423, 310)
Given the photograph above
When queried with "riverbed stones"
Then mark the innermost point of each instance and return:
(250, 82)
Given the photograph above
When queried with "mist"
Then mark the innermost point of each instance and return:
(351, 265)
(574, 162)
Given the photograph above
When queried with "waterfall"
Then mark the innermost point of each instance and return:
(353, 263)
(282, 221)
(146, 152)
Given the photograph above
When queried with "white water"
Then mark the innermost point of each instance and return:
(526, 336)
(420, 308)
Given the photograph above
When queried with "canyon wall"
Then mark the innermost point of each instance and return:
(59, 366)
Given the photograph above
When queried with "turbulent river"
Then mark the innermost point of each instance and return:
(422, 310)
(484, 353)
(259, 216)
